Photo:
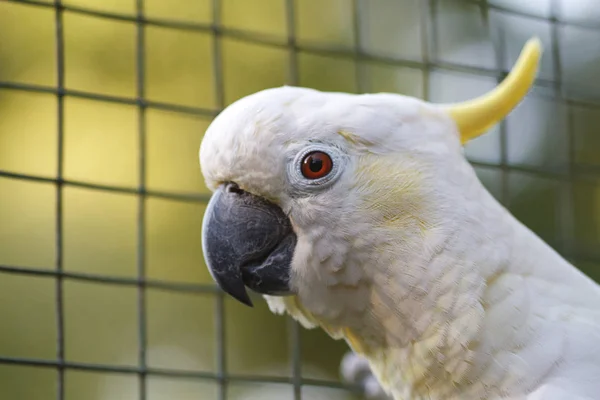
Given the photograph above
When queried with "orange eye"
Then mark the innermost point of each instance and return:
(316, 165)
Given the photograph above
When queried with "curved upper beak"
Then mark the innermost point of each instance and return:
(247, 241)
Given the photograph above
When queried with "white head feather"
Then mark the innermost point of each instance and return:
(389, 184)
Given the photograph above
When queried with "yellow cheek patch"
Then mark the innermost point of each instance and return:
(392, 191)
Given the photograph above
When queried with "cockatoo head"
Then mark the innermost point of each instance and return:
(313, 189)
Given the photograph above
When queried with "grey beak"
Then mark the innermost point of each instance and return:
(247, 241)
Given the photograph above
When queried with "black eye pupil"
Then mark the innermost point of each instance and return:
(315, 164)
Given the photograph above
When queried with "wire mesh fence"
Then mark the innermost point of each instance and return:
(557, 121)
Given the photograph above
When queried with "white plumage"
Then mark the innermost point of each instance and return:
(404, 253)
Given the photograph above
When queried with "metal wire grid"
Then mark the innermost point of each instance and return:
(428, 25)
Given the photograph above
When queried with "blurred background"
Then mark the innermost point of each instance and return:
(116, 112)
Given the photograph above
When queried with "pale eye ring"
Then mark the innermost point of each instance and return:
(315, 168)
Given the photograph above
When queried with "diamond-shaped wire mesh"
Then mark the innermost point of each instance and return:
(96, 188)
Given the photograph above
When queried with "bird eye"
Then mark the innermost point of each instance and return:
(316, 165)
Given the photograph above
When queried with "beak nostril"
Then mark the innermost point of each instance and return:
(232, 187)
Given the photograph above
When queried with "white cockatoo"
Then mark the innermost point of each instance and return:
(360, 214)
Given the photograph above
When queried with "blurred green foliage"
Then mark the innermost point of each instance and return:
(101, 147)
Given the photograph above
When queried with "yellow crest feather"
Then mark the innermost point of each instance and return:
(476, 116)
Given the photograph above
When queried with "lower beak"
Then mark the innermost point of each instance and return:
(247, 241)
